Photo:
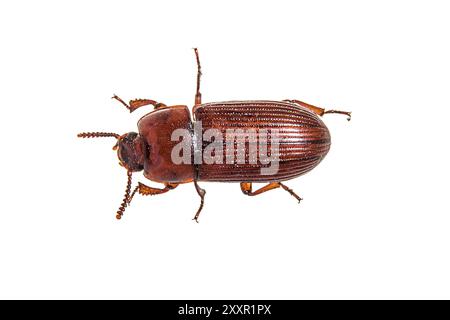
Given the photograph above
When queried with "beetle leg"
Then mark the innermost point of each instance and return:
(246, 188)
(150, 191)
(137, 103)
(320, 111)
(198, 95)
(201, 192)
(136, 189)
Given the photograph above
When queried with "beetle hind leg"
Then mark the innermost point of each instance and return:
(319, 111)
(246, 188)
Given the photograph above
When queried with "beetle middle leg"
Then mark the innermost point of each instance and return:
(319, 111)
(201, 192)
(246, 188)
(137, 103)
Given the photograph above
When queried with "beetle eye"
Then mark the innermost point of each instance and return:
(123, 154)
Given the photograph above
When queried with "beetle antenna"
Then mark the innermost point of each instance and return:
(126, 197)
(198, 95)
(98, 135)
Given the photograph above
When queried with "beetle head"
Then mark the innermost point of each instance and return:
(130, 151)
(129, 148)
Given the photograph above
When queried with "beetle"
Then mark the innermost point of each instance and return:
(298, 138)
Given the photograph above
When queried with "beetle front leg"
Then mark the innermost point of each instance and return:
(150, 191)
(142, 189)
(246, 188)
(319, 111)
(137, 103)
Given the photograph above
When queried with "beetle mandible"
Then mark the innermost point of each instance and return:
(297, 137)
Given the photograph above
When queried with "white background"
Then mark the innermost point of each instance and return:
(374, 222)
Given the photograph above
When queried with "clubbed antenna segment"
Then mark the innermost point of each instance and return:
(126, 198)
(98, 135)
